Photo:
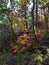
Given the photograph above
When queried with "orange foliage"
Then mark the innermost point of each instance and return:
(15, 49)
(24, 36)
(25, 40)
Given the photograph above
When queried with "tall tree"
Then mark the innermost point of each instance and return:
(36, 12)
(33, 17)
(6, 10)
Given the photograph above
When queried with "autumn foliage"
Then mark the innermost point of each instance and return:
(25, 40)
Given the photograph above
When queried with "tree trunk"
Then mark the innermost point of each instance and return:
(36, 13)
(46, 22)
(36, 40)
(26, 24)
(48, 9)
(13, 35)
(33, 17)
(46, 19)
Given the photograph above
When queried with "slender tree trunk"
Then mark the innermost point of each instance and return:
(13, 35)
(46, 19)
(36, 12)
(46, 22)
(48, 9)
(33, 17)
(36, 39)
(26, 24)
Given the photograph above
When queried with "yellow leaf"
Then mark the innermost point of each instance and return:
(39, 58)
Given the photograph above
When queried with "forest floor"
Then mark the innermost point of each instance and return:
(34, 56)
(26, 56)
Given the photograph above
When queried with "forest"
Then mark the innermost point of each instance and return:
(24, 32)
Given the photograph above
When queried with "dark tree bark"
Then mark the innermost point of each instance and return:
(46, 18)
(32, 13)
(26, 24)
(36, 13)
(48, 9)
(36, 39)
